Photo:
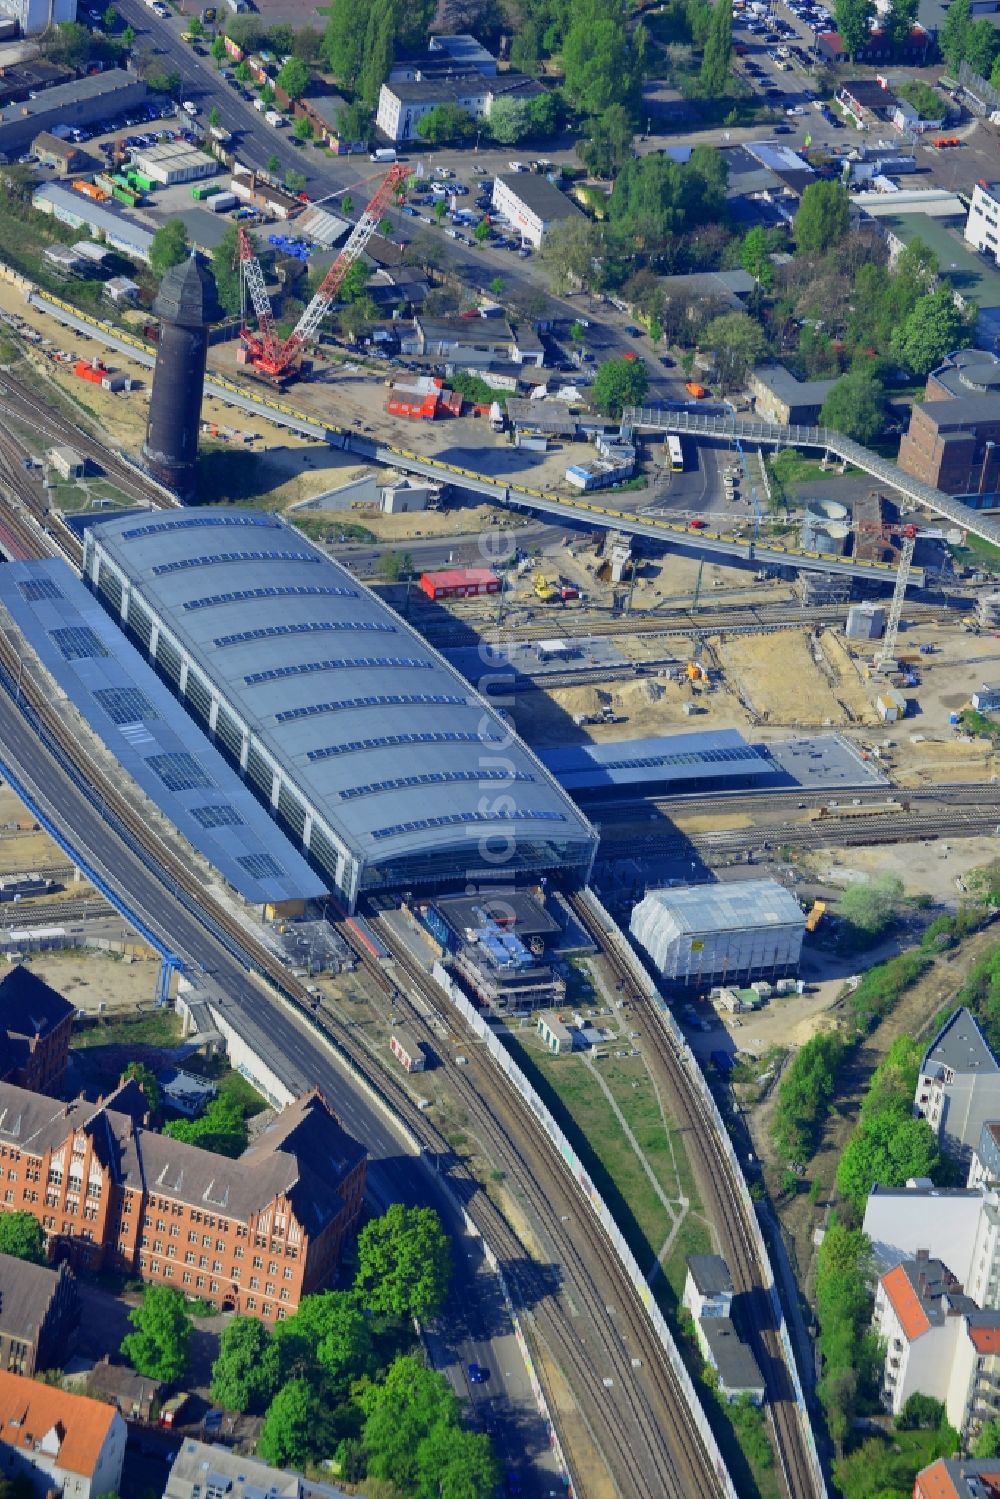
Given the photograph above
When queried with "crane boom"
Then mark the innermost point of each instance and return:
(252, 281)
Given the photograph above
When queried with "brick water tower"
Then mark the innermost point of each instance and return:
(186, 304)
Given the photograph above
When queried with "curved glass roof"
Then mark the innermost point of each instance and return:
(387, 742)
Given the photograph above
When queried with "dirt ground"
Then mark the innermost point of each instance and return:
(785, 680)
(89, 978)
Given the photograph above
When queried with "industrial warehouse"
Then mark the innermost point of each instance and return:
(383, 763)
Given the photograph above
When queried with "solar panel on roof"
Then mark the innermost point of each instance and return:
(33, 590)
(450, 819)
(277, 673)
(389, 741)
(383, 700)
(307, 627)
(260, 866)
(220, 815)
(160, 528)
(179, 771)
(125, 705)
(433, 778)
(79, 643)
(244, 595)
(181, 564)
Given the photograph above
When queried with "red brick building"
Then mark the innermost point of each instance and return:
(955, 445)
(35, 1028)
(253, 1235)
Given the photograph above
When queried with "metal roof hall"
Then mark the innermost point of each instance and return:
(380, 758)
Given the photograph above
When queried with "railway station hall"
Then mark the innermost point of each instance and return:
(379, 760)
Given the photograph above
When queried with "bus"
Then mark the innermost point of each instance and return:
(675, 454)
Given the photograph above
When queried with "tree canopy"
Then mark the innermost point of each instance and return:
(296, 1427)
(933, 329)
(619, 383)
(293, 77)
(803, 1096)
(159, 1346)
(169, 247)
(823, 218)
(855, 406)
(360, 37)
(854, 22)
(246, 1373)
(737, 342)
(403, 1262)
(21, 1235)
(329, 1336)
(221, 1128)
(601, 57)
(446, 123)
(144, 1076)
(718, 50)
(414, 1440)
(655, 197)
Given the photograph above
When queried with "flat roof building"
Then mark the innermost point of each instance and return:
(975, 278)
(200, 1469)
(701, 935)
(377, 756)
(719, 759)
(98, 96)
(52, 151)
(779, 397)
(168, 757)
(105, 220)
(532, 204)
(170, 162)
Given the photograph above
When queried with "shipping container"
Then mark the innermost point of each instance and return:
(204, 190)
(222, 202)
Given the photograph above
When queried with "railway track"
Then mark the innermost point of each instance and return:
(665, 1456)
(894, 827)
(726, 1205)
(663, 1467)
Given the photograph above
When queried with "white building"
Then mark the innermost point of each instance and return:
(403, 103)
(115, 228)
(58, 1441)
(958, 1090)
(720, 934)
(171, 162)
(708, 1296)
(982, 228)
(34, 16)
(532, 204)
(901, 1221)
(708, 1289)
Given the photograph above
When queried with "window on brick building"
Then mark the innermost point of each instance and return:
(269, 1288)
(238, 1252)
(217, 1266)
(192, 1238)
(186, 1278)
(213, 1285)
(272, 1268)
(174, 1231)
(189, 1258)
(254, 1283)
(220, 1245)
(258, 1263)
(200, 1282)
(287, 1272)
(281, 1314)
(236, 1272)
(251, 1303)
(203, 1262)
(284, 1293)
(206, 1240)
(8, 1196)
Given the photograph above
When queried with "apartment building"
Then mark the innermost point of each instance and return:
(958, 1478)
(982, 227)
(200, 1471)
(252, 1235)
(63, 1444)
(403, 103)
(958, 1089)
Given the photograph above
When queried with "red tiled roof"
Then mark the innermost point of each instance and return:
(905, 1303)
(935, 1483)
(29, 1411)
(985, 1339)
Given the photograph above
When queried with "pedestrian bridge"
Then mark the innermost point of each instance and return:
(750, 429)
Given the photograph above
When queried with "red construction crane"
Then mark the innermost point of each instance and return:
(271, 356)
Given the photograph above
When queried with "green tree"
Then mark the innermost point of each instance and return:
(755, 257)
(995, 75)
(70, 44)
(509, 121)
(159, 1347)
(400, 1413)
(355, 283)
(296, 1426)
(273, 165)
(267, 95)
(329, 1336)
(455, 1464)
(854, 22)
(898, 22)
(393, 567)
(598, 57)
(293, 77)
(218, 48)
(294, 181)
(953, 38)
(987, 1443)
(920, 1413)
(347, 204)
(354, 121)
(128, 38)
(609, 146)
(147, 1082)
(482, 232)
(871, 906)
(570, 252)
(823, 218)
(307, 44)
(169, 247)
(933, 329)
(446, 123)
(804, 1094)
(221, 1128)
(440, 210)
(302, 129)
(982, 47)
(619, 383)
(21, 1236)
(241, 72)
(194, 27)
(379, 47)
(655, 199)
(737, 342)
(403, 1263)
(886, 1150)
(110, 18)
(856, 407)
(544, 114)
(498, 286)
(718, 50)
(246, 1373)
(213, 115)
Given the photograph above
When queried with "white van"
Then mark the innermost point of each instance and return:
(189, 108)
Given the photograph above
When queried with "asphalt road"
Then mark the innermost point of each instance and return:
(394, 1175)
